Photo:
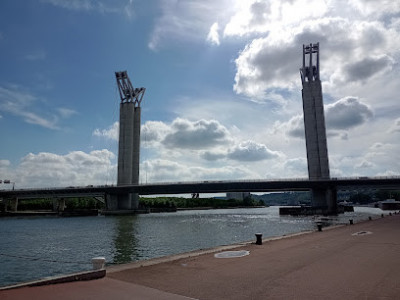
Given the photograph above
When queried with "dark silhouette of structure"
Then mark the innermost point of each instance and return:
(314, 125)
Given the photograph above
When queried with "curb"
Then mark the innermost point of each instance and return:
(80, 276)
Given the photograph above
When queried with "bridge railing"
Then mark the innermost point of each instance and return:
(298, 179)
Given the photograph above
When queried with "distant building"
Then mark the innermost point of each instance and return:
(237, 195)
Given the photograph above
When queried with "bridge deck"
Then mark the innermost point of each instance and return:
(298, 184)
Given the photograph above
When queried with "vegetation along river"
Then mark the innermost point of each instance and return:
(36, 247)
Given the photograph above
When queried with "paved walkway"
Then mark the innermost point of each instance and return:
(332, 264)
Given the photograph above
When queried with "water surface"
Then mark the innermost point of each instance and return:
(36, 247)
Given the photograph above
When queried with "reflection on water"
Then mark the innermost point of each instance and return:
(33, 248)
(125, 240)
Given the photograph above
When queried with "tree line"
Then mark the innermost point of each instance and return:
(144, 202)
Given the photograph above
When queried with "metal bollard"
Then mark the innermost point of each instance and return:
(382, 216)
(319, 227)
(98, 263)
(370, 218)
(258, 238)
(351, 221)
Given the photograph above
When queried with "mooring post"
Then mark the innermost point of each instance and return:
(258, 238)
(98, 263)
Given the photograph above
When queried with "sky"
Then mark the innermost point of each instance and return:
(223, 89)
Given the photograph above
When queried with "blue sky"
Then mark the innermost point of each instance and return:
(223, 91)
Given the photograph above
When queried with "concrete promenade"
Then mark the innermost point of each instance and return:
(360, 261)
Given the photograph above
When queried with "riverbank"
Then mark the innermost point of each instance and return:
(210, 207)
(50, 213)
(95, 212)
(357, 261)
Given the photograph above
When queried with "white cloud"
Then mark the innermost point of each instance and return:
(101, 6)
(368, 67)
(111, 132)
(376, 8)
(293, 128)
(379, 157)
(261, 66)
(347, 113)
(65, 113)
(340, 116)
(20, 103)
(396, 126)
(4, 163)
(213, 35)
(356, 53)
(153, 132)
(213, 155)
(199, 149)
(162, 170)
(251, 151)
(364, 165)
(35, 119)
(298, 166)
(246, 151)
(76, 168)
(187, 20)
(264, 16)
(196, 135)
(180, 134)
(72, 4)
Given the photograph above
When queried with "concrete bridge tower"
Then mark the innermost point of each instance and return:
(129, 139)
(314, 125)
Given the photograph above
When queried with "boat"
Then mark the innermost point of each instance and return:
(389, 204)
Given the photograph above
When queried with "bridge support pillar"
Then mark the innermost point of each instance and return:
(135, 201)
(111, 202)
(125, 202)
(122, 203)
(318, 198)
(128, 201)
(325, 199)
(61, 204)
(331, 199)
(13, 203)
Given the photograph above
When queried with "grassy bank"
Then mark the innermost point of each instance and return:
(80, 203)
(164, 202)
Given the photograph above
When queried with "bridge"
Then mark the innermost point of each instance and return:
(125, 195)
(260, 185)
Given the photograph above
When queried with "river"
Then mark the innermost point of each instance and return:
(36, 247)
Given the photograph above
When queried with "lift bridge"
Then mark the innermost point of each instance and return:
(125, 195)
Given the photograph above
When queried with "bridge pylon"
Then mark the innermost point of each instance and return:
(129, 142)
(314, 126)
